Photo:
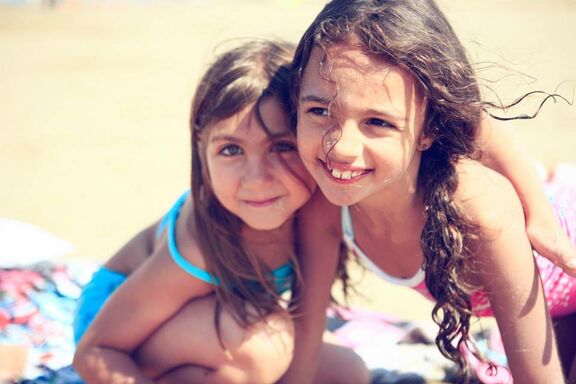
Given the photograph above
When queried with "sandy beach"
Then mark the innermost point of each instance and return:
(94, 103)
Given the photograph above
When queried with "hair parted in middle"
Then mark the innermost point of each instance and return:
(238, 78)
(416, 36)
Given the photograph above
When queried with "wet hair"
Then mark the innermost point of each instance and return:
(415, 35)
(238, 78)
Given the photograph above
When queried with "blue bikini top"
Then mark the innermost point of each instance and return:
(283, 275)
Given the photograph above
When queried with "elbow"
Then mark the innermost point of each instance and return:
(79, 361)
(83, 358)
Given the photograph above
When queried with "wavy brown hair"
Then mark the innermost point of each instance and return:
(238, 78)
(416, 36)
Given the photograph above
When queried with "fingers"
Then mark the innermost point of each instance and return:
(555, 246)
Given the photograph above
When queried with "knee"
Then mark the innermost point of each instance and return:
(263, 352)
(341, 365)
(357, 371)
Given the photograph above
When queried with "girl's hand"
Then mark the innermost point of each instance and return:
(550, 241)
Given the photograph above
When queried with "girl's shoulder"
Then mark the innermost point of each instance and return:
(490, 203)
(487, 197)
(177, 239)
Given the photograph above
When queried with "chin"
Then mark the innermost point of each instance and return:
(265, 226)
(340, 198)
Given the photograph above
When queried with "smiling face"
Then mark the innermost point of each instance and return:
(359, 125)
(257, 177)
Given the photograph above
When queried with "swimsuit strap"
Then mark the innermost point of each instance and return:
(169, 222)
(283, 274)
(176, 207)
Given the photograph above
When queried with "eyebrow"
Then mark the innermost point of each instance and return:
(315, 99)
(236, 139)
(225, 137)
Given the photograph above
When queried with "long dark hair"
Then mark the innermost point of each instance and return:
(416, 36)
(237, 78)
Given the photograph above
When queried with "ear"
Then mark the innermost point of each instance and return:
(425, 142)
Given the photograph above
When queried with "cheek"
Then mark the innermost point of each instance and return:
(293, 174)
(301, 174)
(307, 141)
(221, 178)
(301, 191)
(391, 158)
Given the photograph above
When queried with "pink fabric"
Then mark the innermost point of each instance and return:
(559, 287)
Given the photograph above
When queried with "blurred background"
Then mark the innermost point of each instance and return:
(94, 101)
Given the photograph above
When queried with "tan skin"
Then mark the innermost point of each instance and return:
(379, 145)
(175, 344)
(135, 252)
(504, 151)
(159, 325)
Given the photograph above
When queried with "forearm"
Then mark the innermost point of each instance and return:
(104, 365)
(318, 253)
(307, 345)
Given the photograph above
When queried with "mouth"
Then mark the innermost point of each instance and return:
(345, 175)
(262, 203)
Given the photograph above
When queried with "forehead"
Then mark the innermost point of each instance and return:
(341, 67)
(247, 123)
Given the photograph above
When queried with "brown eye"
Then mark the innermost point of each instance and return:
(283, 146)
(318, 111)
(379, 123)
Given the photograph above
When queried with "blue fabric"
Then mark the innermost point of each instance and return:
(103, 283)
(283, 277)
(170, 223)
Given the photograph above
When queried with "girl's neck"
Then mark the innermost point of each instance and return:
(274, 247)
(391, 207)
(261, 237)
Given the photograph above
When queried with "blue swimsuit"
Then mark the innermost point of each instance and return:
(105, 281)
(283, 275)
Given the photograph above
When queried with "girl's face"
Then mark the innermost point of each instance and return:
(257, 177)
(359, 125)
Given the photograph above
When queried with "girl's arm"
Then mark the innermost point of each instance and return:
(504, 152)
(505, 267)
(132, 254)
(318, 254)
(150, 296)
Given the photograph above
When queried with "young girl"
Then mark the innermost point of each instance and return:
(202, 301)
(388, 113)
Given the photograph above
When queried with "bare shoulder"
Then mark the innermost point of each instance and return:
(135, 252)
(487, 197)
(492, 205)
(182, 241)
(176, 252)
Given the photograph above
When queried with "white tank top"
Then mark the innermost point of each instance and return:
(348, 234)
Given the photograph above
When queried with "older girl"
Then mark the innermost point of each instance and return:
(388, 114)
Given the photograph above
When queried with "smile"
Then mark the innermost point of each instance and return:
(261, 203)
(345, 175)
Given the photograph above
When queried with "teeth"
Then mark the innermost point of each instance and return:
(345, 175)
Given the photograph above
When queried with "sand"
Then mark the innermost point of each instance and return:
(94, 103)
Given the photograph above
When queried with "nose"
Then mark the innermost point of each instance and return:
(258, 172)
(345, 144)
